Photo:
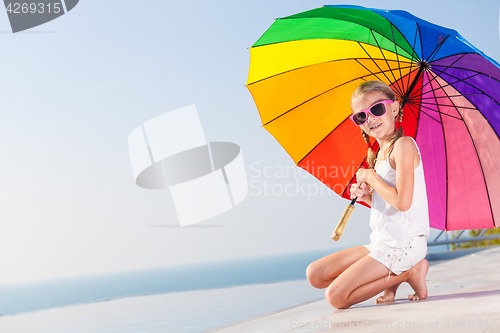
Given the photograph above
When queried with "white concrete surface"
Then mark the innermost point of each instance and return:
(464, 296)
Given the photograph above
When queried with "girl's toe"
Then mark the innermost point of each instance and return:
(414, 297)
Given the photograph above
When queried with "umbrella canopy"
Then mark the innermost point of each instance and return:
(305, 67)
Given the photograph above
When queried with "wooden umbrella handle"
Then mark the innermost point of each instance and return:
(343, 220)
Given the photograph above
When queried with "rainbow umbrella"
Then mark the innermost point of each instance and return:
(305, 67)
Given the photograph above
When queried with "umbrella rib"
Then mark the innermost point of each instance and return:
(324, 92)
(446, 166)
(436, 50)
(482, 93)
(428, 82)
(375, 62)
(453, 96)
(412, 110)
(419, 108)
(298, 68)
(450, 66)
(340, 19)
(422, 111)
(462, 107)
(397, 57)
(372, 73)
(479, 160)
(467, 69)
(411, 63)
(441, 113)
(420, 37)
(383, 55)
(333, 158)
(458, 80)
(310, 150)
(322, 141)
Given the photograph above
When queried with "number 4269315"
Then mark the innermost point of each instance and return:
(33, 7)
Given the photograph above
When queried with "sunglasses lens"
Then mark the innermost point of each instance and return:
(378, 110)
(359, 118)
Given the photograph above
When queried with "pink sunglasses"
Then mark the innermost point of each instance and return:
(378, 109)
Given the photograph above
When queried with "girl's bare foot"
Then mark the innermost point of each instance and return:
(388, 295)
(416, 280)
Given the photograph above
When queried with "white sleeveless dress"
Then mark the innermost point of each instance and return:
(399, 239)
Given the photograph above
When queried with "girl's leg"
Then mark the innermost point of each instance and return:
(322, 272)
(367, 278)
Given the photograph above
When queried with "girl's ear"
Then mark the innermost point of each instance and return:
(395, 109)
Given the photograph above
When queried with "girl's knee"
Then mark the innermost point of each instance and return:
(313, 274)
(335, 298)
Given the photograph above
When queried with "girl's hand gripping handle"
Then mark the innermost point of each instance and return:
(359, 192)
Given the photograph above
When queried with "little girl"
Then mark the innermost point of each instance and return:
(399, 214)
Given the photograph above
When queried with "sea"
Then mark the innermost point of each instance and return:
(30, 296)
(33, 296)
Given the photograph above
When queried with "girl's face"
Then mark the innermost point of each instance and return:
(377, 127)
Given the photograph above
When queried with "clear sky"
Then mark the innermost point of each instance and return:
(74, 88)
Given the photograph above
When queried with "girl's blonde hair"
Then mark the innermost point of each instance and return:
(373, 86)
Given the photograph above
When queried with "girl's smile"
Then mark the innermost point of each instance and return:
(378, 127)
